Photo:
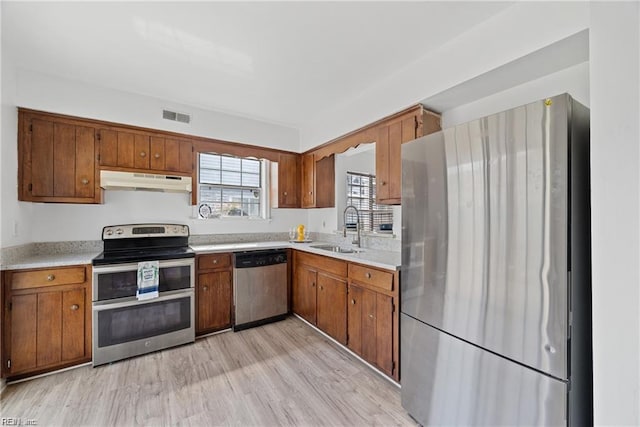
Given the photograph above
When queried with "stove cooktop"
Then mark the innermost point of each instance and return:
(139, 255)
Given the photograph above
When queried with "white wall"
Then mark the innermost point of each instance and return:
(57, 222)
(519, 30)
(615, 184)
(15, 222)
(573, 80)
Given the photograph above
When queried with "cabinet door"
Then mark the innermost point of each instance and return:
(156, 153)
(325, 178)
(384, 332)
(371, 326)
(308, 181)
(178, 155)
(332, 306)
(75, 304)
(126, 149)
(288, 177)
(22, 332)
(141, 151)
(388, 158)
(62, 160)
(214, 301)
(108, 147)
(304, 293)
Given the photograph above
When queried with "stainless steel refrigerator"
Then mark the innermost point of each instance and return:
(496, 277)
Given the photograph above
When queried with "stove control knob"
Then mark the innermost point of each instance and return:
(119, 231)
(109, 232)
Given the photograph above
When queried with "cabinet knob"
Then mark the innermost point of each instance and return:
(313, 285)
(215, 261)
(384, 182)
(321, 288)
(74, 307)
(84, 181)
(368, 275)
(353, 302)
(371, 316)
(143, 154)
(285, 193)
(205, 288)
(310, 192)
(51, 277)
(157, 155)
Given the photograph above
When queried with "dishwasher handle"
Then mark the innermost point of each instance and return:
(253, 259)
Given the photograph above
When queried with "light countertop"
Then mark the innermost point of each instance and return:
(372, 257)
(50, 260)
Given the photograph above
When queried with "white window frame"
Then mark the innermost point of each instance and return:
(264, 203)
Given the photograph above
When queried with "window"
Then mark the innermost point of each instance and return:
(361, 193)
(231, 186)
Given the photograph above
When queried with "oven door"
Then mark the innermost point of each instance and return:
(130, 328)
(111, 282)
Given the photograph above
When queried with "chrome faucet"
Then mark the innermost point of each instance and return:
(355, 241)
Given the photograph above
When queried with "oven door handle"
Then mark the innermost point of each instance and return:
(167, 296)
(133, 266)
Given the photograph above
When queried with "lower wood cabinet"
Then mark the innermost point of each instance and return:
(214, 293)
(371, 326)
(320, 293)
(373, 317)
(47, 319)
(354, 303)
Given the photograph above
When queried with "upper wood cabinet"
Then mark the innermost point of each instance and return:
(126, 150)
(318, 181)
(288, 180)
(56, 160)
(390, 137)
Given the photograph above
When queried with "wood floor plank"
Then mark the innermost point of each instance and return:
(283, 374)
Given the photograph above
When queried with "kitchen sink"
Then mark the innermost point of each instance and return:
(335, 248)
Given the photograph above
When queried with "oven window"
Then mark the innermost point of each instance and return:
(125, 283)
(140, 321)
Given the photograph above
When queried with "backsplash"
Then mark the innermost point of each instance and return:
(368, 241)
(212, 239)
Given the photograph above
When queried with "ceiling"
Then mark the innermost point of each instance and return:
(280, 62)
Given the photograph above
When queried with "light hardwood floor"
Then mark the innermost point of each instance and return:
(284, 373)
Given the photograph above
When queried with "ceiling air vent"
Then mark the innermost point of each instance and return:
(175, 116)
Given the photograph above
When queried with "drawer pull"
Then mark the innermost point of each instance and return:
(51, 277)
(215, 261)
(84, 181)
(157, 155)
(371, 316)
(74, 307)
(368, 275)
(143, 154)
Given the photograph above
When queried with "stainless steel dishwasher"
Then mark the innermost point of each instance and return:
(259, 287)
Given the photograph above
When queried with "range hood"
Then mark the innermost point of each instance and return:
(115, 180)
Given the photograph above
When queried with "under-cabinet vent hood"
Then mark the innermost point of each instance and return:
(115, 180)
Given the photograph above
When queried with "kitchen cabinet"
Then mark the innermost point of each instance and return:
(320, 293)
(288, 179)
(124, 150)
(318, 181)
(56, 160)
(372, 317)
(47, 319)
(214, 290)
(390, 137)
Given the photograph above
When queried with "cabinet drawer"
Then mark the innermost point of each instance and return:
(47, 277)
(371, 276)
(330, 265)
(209, 261)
